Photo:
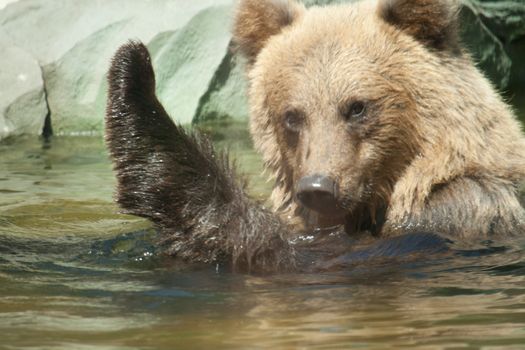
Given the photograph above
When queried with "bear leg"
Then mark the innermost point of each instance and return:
(176, 179)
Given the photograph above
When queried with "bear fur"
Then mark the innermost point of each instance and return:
(377, 95)
(436, 149)
(176, 180)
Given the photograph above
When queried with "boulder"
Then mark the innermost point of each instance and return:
(74, 41)
(56, 54)
(492, 27)
(4, 3)
(23, 107)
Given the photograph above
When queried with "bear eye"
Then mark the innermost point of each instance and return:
(293, 121)
(355, 110)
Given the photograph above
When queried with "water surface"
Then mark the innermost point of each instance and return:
(75, 274)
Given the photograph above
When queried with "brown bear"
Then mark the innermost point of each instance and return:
(374, 120)
(373, 116)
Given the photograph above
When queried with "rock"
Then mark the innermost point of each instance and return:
(75, 41)
(198, 77)
(226, 94)
(23, 107)
(492, 27)
(190, 59)
(4, 3)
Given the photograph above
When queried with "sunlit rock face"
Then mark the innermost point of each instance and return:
(4, 3)
(22, 99)
(69, 45)
(55, 55)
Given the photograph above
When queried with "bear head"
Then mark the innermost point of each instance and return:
(336, 106)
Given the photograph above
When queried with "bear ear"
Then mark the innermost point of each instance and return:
(258, 20)
(434, 23)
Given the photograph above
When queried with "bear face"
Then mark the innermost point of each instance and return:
(337, 110)
(364, 111)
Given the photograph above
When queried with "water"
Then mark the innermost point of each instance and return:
(75, 274)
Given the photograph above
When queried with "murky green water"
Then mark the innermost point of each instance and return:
(76, 275)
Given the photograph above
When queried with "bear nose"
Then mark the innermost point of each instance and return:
(318, 192)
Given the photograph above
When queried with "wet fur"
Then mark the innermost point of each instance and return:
(175, 179)
(435, 163)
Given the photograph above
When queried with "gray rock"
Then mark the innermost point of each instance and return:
(22, 99)
(189, 59)
(226, 94)
(74, 42)
(492, 27)
(4, 3)
(198, 79)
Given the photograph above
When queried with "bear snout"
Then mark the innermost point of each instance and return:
(319, 192)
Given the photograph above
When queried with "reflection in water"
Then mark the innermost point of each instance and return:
(74, 274)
